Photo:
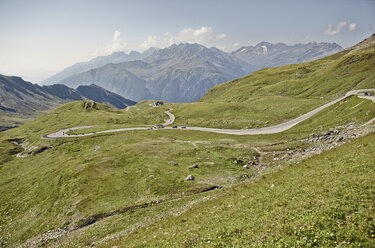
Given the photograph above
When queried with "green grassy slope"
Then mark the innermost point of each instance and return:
(128, 182)
(63, 186)
(277, 94)
(325, 201)
(66, 185)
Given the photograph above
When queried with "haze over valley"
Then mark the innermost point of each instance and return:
(187, 123)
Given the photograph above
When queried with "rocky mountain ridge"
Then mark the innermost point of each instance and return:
(116, 57)
(19, 96)
(185, 72)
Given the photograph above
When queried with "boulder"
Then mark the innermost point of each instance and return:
(189, 178)
(194, 166)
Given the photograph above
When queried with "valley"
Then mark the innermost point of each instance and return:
(184, 72)
(281, 157)
(266, 130)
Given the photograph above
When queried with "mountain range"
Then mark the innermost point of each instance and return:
(310, 185)
(266, 54)
(116, 57)
(26, 99)
(184, 72)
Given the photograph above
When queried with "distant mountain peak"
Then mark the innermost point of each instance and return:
(115, 57)
(184, 72)
(265, 54)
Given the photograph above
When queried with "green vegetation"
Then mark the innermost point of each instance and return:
(325, 201)
(258, 112)
(70, 184)
(127, 188)
(277, 94)
(12, 120)
(63, 186)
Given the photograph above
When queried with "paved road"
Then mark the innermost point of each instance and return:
(265, 130)
(171, 118)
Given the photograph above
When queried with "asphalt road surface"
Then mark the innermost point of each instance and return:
(256, 131)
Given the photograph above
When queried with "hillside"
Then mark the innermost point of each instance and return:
(313, 203)
(54, 190)
(266, 54)
(184, 72)
(116, 57)
(180, 73)
(311, 185)
(113, 77)
(295, 88)
(21, 101)
(330, 76)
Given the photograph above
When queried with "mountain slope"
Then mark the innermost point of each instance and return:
(65, 193)
(113, 77)
(99, 94)
(329, 77)
(23, 96)
(266, 54)
(184, 72)
(250, 102)
(116, 57)
(21, 100)
(180, 73)
(324, 201)
(122, 190)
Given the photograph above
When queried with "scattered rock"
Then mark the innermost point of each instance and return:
(238, 161)
(340, 139)
(246, 166)
(189, 178)
(244, 177)
(173, 163)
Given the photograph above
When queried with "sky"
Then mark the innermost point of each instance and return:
(39, 38)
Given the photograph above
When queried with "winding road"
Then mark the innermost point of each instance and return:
(256, 131)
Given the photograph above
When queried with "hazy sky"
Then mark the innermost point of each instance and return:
(41, 37)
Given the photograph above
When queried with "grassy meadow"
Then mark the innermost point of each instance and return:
(126, 193)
